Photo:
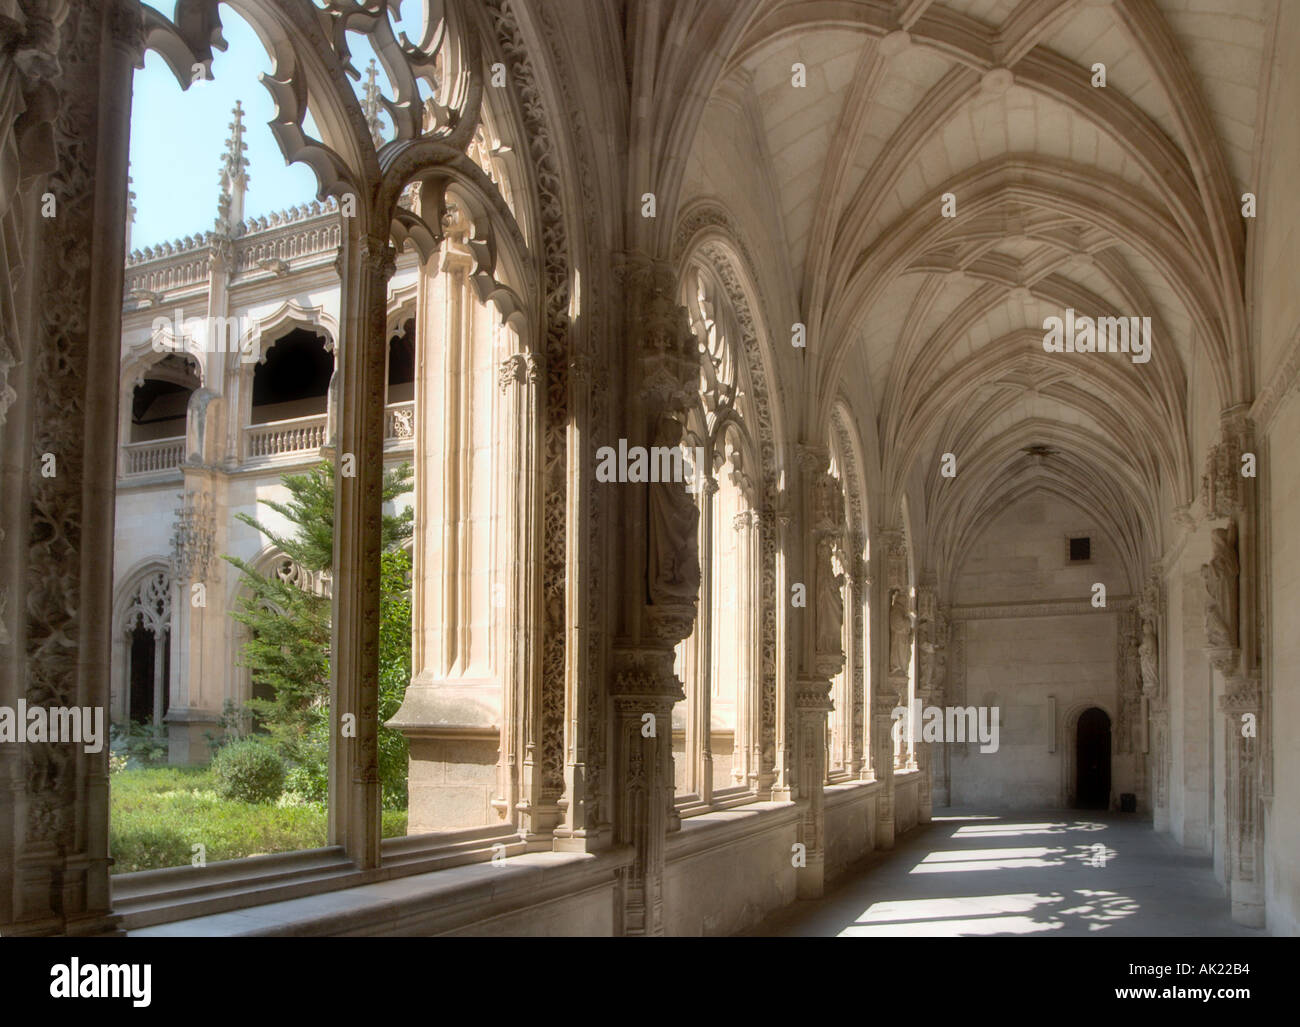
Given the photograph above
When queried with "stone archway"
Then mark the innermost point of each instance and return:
(1092, 755)
(1069, 751)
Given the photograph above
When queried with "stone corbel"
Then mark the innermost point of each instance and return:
(1222, 484)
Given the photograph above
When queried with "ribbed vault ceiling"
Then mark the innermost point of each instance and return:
(1122, 201)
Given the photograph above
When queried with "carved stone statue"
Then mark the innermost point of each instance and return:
(1148, 653)
(828, 508)
(830, 601)
(673, 574)
(1220, 577)
(900, 632)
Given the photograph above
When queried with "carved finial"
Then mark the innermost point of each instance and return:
(234, 172)
(130, 211)
(370, 105)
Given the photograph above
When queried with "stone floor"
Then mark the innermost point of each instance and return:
(1057, 872)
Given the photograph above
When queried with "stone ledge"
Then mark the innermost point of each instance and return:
(719, 828)
(421, 904)
(846, 792)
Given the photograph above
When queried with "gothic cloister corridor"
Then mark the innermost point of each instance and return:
(972, 874)
(649, 469)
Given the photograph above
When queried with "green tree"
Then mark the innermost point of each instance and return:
(288, 650)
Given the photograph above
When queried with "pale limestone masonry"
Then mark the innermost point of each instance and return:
(662, 711)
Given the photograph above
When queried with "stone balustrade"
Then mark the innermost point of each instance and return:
(139, 458)
(278, 438)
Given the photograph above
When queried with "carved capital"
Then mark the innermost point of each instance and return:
(1243, 695)
(812, 460)
(643, 680)
(126, 29)
(518, 368)
(1224, 659)
(378, 258)
(812, 695)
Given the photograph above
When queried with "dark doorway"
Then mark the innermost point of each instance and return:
(143, 665)
(1092, 751)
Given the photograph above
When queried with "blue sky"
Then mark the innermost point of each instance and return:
(177, 138)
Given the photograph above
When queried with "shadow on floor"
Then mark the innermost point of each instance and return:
(1056, 872)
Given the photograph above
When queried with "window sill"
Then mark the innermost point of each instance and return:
(153, 897)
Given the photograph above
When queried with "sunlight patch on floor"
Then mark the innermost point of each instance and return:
(988, 859)
(984, 914)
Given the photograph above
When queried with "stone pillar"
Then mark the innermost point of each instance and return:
(519, 783)
(1243, 709)
(747, 752)
(65, 100)
(644, 690)
(452, 714)
(1232, 631)
(1154, 715)
(940, 793)
(927, 613)
(660, 585)
(857, 720)
(198, 621)
(821, 655)
(699, 726)
(366, 265)
(889, 684)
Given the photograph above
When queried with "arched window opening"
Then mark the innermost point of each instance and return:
(294, 380)
(401, 363)
(258, 284)
(839, 722)
(160, 401)
(717, 727)
(146, 631)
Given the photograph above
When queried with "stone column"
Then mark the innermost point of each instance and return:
(452, 714)
(198, 615)
(821, 655)
(65, 100)
(520, 784)
(1153, 717)
(927, 612)
(699, 733)
(747, 758)
(940, 793)
(856, 718)
(1243, 709)
(366, 265)
(889, 683)
(1232, 631)
(660, 587)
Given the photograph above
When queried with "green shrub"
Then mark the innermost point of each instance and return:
(248, 770)
(142, 744)
(159, 815)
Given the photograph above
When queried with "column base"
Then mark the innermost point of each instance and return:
(1247, 904)
(187, 731)
(810, 880)
(453, 731)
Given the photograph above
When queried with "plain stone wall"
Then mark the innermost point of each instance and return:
(586, 914)
(906, 803)
(1282, 819)
(1015, 663)
(729, 887)
(850, 824)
